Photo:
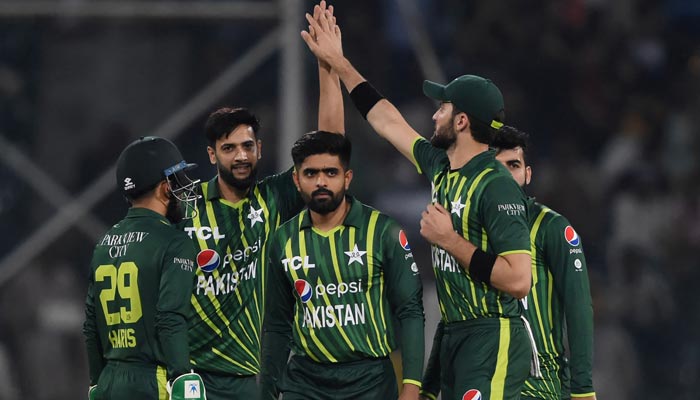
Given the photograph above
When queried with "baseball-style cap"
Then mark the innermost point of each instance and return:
(476, 96)
(147, 161)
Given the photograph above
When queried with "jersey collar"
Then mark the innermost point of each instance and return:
(354, 217)
(139, 212)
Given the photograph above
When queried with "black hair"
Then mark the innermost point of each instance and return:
(482, 131)
(322, 142)
(224, 120)
(137, 195)
(508, 138)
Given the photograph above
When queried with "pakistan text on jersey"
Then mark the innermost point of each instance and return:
(331, 316)
(122, 338)
(443, 261)
(225, 283)
(512, 208)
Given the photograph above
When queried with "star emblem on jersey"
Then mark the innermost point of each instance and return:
(457, 206)
(255, 216)
(355, 255)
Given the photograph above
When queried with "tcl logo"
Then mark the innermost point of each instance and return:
(297, 262)
(204, 232)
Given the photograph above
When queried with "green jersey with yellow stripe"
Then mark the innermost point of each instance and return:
(335, 293)
(230, 279)
(136, 307)
(489, 209)
(560, 295)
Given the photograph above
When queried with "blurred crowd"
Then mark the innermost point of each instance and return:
(608, 90)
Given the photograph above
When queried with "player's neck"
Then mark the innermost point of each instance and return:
(151, 203)
(463, 150)
(230, 193)
(331, 220)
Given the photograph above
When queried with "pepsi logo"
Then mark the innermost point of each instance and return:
(303, 289)
(403, 240)
(472, 394)
(571, 236)
(208, 260)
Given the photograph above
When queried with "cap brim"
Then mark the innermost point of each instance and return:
(434, 90)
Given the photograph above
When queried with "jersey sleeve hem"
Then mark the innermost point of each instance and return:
(429, 395)
(413, 154)
(412, 382)
(505, 253)
(582, 394)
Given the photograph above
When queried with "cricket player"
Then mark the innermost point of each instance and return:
(231, 229)
(477, 224)
(141, 274)
(340, 271)
(560, 295)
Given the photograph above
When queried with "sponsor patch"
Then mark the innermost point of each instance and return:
(303, 289)
(578, 264)
(414, 268)
(208, 260)
(192, 390)
(403, 240)
(571, 236)
(472, 394)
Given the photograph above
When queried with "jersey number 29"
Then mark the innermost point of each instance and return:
(124, 282)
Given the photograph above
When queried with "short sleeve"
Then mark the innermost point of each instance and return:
(503, 209)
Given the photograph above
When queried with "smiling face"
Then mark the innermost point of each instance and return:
(322, 182)
(514, 160)
(236, 157)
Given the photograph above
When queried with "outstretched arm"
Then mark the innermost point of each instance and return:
(385, 119)
(331, 116)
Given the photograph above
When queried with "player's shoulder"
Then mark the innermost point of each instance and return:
(273, 182)
(555, 223)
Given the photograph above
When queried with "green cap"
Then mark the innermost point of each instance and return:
(474, 95)
(147, 161)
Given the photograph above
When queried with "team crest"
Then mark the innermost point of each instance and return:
(208, 260)
(472, 394)
(571, 236)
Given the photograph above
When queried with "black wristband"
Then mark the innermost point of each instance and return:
(365, 96)
(481, 265)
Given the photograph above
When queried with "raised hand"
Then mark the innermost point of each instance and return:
(323, 38)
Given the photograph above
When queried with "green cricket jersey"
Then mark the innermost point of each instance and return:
(333, 294)
(560, 295)
(489, 209)
(137, 304)
(230, 278)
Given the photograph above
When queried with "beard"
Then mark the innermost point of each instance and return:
(236, 183)
(444, 137)
(175, 212)
(324, 205)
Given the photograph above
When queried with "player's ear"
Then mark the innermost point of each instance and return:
(528, 175)
(259, 144)
(212, 155)
(348, 179)
(295, 177)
